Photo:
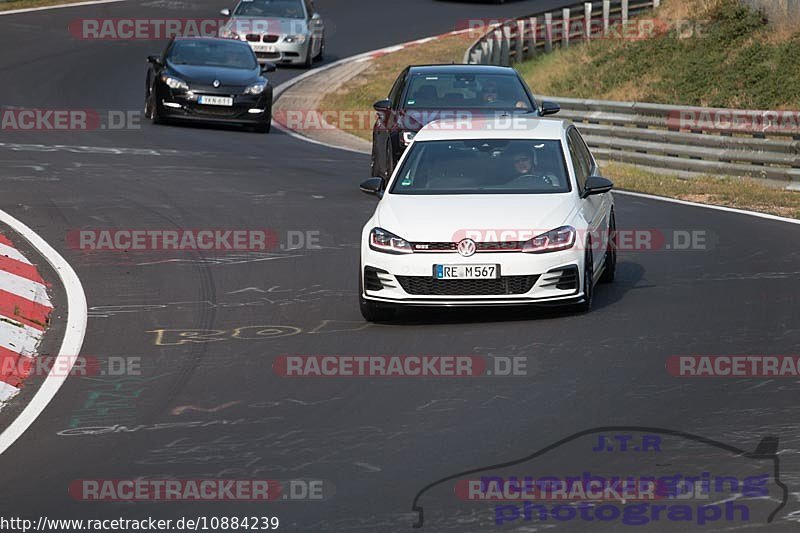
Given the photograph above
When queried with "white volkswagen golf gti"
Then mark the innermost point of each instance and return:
(481, 212)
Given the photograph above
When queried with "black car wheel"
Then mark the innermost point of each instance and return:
(308, 63)
(321, 54)
(151, 110)
(610, 263)
(588, 280)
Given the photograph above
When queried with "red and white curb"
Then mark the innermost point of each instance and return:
(24, 315)
(25, 308)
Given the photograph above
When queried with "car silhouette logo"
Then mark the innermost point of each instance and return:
(466, 247)
(216, 83)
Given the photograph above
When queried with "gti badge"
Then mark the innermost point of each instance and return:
(466, 247)
(216, 83)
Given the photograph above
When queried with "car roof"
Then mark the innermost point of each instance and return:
(204, 38)
(504, 127)
(461, 69)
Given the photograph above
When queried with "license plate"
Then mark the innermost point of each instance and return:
(265, 48)
(466, 271)
(215, 100)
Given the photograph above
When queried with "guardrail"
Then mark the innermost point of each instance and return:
(721, 141)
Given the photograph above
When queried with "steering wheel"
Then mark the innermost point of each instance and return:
(544, 178)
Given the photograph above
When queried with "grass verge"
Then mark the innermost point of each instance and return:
(10, 5)
(741, 193)
(715, 53)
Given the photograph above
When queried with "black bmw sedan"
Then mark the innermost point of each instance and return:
(209, 80)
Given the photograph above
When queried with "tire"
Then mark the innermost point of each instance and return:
(610, 263)
(151, 108)
(588, 284)
(321, 54)
(309, 62)
(372, 311)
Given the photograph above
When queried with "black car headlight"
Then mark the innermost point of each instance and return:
(381, 240)
(256, 88)
(174, 83)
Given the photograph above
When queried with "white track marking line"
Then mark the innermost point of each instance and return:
(24, 288)
(57, 6)
(13, 253)
(708, 206)
(74, 333)
(21, 339)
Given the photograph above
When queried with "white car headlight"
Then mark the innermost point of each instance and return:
(381, 240)
(174, 83)
(562, 238)
(256, 88)
(299, 38)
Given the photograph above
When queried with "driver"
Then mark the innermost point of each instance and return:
(523, 164)
(489, 94)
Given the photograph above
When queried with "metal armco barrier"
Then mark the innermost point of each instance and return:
(760, 144)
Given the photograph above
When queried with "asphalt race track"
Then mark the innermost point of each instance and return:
(378, 441)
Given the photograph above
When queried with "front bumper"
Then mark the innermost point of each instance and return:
(526, 279)
(281, 52)
(246, 109)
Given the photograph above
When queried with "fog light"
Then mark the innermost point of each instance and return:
(172, 104)
(255, 111)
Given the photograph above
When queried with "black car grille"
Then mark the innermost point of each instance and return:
(510, 246)
(562, 278)
(429, 286)
(371, 280)
(268, 55)
(255, 38)
(212, 111)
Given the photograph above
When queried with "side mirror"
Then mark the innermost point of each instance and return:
(372, 186)
(382, 105)
(316, 18)
(225, 12)
(269, 67)
(549, 108)
(155, 60)
(596, 185)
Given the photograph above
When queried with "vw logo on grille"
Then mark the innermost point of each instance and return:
(466, 247)
(216, 83)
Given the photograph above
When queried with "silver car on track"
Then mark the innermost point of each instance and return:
(279, 31)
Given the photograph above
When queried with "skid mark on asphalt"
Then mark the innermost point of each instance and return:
(176, 337)
(185, 408)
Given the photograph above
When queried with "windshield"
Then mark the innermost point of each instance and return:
(289, 9)
(479, 166)
(222, 53)
(467, 91)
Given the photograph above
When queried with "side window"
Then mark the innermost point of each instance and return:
(309, 8)
(581, 159)
(397, 90)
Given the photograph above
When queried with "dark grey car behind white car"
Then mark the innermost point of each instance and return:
(279, 31)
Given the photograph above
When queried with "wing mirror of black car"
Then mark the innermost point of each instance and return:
(382, 105)
(225, 12)
(372, 186)
(154, 60)
(269, 67)
(550, 108)
(596, 185)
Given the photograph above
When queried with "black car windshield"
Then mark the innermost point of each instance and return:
(221, 53)
(289, 9)
(495, 166)
(467, 91)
